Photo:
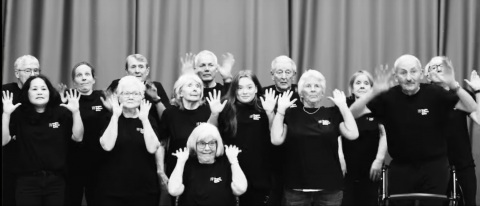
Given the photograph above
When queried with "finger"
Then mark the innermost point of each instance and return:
(224, 102)
(17, 105)
(208, 100)
(331, 98)
(210, 95)
(219, 94)
(468, 82)
(293, 101)
(262, 100)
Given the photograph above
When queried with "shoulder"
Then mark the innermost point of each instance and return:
(158, 84)
(10, 86)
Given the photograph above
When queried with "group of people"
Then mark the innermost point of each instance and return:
(235, 143)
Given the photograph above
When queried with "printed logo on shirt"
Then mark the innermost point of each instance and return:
(216, 179)
(54, 125)
(140, 130)
(324, 122)
(97, 108)
(370, 119)
(255, 116)
(293, 105)
(199, 123)
(423, 111)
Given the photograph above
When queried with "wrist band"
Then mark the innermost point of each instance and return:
(476, 91)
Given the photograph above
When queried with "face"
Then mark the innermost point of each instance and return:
(38, 93)
(246, 90)
(131, 97)
(206, 149)
(361, 85)
(191, 91)
(84, 79)
(283, 74)
(137, 68)
(408, 76)
(206, 68)
(437, 65)
(312, 90)
(30, 68)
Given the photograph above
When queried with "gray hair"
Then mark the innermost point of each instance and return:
(23, 60)
(283, 57)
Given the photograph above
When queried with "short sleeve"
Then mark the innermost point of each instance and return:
(448, 98)
(66, 119)
(288, 114)
(337, 115)
(163, 132)
(377, 105)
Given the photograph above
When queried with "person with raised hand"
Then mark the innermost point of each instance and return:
(42, 130)
(128, 174)
(188, 111)
(202, 174)
(312, 170)
(364, 156)
(415, 116)
(458, 135)
(245, 122)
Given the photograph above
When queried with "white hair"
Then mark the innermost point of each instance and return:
(201, 132)
(177, 88)
(24, 60)
(283, 58)
(406, 58)
(205, 52)
(315, 74)
(130, 81)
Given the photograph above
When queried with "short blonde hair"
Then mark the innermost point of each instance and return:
(311, 73)
(23, 60)
(177, 88)
(201, 132)
(355, 75)
(130, 81)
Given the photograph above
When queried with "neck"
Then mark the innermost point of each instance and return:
(19, 84)
(210, 84)
(283, 90)
(189, 105)
(40, 109)
(130, 113)
(308, 104)
(206, 161)
(410, 93)
(89, 92)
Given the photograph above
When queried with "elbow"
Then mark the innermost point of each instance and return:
(153, 149)
(78, 138)
(275, 140)
(175, 191)
(352, 135)
(105, 146)
(237, 191)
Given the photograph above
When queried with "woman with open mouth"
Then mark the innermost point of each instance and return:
(42, 129)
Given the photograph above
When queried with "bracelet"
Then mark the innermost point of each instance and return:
(476, 91)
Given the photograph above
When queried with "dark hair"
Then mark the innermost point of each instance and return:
(80, 64)
(228, 117)
(27, 106)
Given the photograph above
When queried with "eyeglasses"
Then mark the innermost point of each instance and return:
(29, 71)
(435, 67)
(288, 73)
(134, 94)
(201, 145)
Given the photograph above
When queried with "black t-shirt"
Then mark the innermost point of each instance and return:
(177, 125)
(207, 184)
(458, 139)
(415, 124)
(311, 148)
(42, 145)
(129, 169)
(218, 87)
(360, 153)
(253, 138)
(160, 92)
(10, 151)
(85, 155)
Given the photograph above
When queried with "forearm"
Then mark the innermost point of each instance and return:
(213, 119)
(466, 101)
(160, 159)
(175, 184)
(358, 107)
(77, 128)
(239, 181)
(349, 129)
(277, 130)
(341, 156)
(477, 111)
(382, 145)
(271, 116)
(109, 137)
(151, 140)
(5, 129)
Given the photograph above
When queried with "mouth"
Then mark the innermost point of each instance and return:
(40, 98)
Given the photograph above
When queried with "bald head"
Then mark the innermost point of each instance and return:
(407, 61)
(408, 72)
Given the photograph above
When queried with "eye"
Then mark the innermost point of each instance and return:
(367, 83)
(357, 82)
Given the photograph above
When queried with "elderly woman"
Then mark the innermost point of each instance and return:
(364, 156)
(128, 174)
(208, 177)
(178, 121)
(42, 130)
(83, 158)
(312, 168)
(245, 123)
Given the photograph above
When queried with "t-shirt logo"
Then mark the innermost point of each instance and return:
(255, 116)
(199, 123)
(140, 130)
(216, 179)
(97, 108)
(423, 111)
(54, 125)
(324, 122)
(293, 105)
(370, 119)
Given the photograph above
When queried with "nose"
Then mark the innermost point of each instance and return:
(137, 70)
(284, 75)
(32, 73)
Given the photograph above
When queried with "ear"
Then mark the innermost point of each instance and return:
(94, 80)
(17, 74)
(148, 71)
(256, 89)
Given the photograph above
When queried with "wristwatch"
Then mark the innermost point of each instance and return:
(476, 91)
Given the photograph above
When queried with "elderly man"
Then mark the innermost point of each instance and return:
(414, 116)
(283, 73)
(137, 65)
(25, 67)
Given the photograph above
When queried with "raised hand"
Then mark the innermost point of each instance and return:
(72, 96)
(383, 79)
(269, 101)
(474, 82)
(182, 154)
(338, 98)
(232, 153)
(447, 77)
(117, 109)
(214, 101)
(61, 88)
(152, 90)
(284, 101)
(376, 170)
(8, 106)
(106, 101)
(227, 64)
(188, 63)
(144, 110)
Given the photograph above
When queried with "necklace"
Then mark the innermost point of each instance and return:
(310, 112)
